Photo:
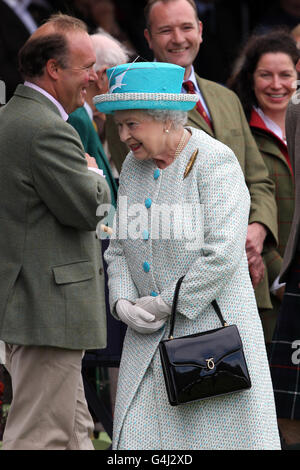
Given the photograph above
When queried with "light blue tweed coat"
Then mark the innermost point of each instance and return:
(143, 417)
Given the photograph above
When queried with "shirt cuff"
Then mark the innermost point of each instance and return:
(97, 170)
(276, 285)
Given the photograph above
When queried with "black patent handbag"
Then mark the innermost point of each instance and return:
(203, 365)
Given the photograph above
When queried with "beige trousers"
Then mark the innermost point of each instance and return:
(49, 409)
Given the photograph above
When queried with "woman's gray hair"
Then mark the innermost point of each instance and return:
(109, 51)
(178, 118)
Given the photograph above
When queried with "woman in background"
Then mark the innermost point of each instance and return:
(265, 82)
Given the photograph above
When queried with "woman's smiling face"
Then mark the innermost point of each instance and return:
(274, 82)
(143, 135)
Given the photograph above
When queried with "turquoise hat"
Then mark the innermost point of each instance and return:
(145, 85)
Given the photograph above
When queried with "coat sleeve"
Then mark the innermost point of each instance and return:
(273, 261)
(226, 203)
(62, 179)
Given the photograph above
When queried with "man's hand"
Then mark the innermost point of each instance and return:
(257, 271)
(91, 161)
(254, 245)
(256, 235)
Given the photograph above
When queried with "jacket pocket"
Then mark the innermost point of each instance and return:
(73, 272)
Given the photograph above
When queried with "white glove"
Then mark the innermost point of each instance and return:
(137, 318)
(154, 305)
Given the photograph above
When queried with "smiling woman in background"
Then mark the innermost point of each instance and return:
(265, 82)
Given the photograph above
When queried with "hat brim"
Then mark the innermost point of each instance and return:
(110, 103)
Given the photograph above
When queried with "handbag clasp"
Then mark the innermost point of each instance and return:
(210, 363)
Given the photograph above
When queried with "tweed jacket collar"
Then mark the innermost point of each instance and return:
(29, 93)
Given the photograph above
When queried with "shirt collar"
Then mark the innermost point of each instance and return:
(63, 113)
(271, 125)
(192, 78)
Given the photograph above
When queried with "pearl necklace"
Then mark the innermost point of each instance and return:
(181, 144)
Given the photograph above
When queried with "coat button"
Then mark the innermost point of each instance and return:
(153, 293)
(146, 267)
(148, 202)
(145, 235)
(156, 174)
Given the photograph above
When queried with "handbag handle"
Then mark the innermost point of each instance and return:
(174, 306)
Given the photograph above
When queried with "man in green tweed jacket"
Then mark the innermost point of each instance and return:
(52, 297)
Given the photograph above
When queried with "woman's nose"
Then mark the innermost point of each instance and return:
(276, 83)
(123, 133)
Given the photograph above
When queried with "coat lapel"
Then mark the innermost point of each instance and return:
(267, 141)
(265, 145)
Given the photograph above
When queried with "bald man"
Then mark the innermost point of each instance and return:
(52, 283)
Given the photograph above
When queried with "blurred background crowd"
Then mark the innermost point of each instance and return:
(227, 25)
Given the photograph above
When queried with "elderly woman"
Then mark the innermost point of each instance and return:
(265, 81)
(170, 166)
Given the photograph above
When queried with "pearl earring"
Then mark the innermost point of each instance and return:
(167, 131)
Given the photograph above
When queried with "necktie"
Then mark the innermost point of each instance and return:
(189, 87)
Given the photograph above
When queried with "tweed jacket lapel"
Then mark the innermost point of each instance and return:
(267, 141)
(267, 146)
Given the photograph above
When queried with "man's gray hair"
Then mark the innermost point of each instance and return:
(178, 118)
(109, 51)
